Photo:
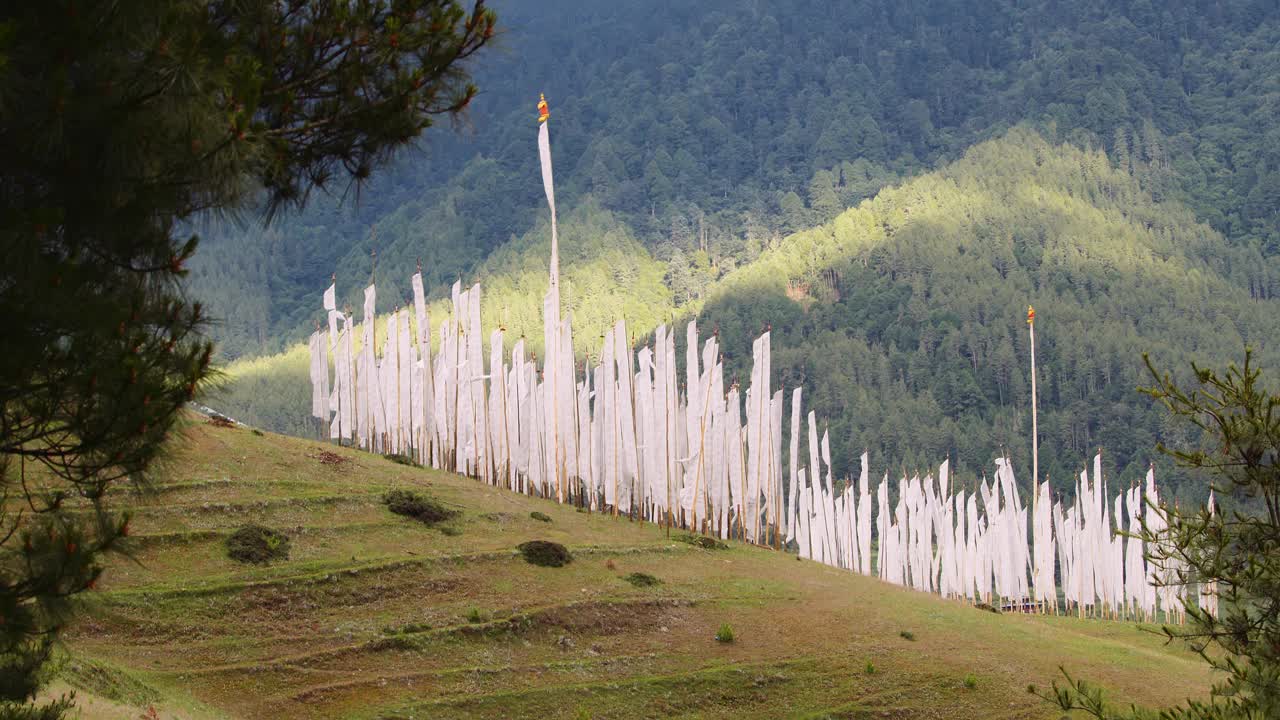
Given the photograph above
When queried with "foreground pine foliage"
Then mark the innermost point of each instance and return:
(1234, 552)
(120, 125)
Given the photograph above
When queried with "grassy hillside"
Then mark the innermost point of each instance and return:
(374, 615)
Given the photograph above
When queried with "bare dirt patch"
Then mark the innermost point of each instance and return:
(327, 457)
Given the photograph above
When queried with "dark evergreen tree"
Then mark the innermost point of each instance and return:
(119, 123)
(1236, 549)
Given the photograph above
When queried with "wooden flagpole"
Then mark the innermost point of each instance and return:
(1035, 448)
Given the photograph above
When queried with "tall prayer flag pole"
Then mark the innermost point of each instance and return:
(1035, 434)
(551, 329)
(1035, 437)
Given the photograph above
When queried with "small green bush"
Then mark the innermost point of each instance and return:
(970, 681)
(399, 459)
(257, 545)
(424, 509)
(987, 608)
(725, 633)
(545, 553)
(474, 615)
(907, 635)
(870, 669)
(540, 516)
(702, 541)
(640, 579)
(450, 531)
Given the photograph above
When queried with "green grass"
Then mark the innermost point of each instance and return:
(374, 616)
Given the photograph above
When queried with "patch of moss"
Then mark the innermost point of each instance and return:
(257, 545)
(640, 579)
(420, 507)
(540, 516)
(545, 553)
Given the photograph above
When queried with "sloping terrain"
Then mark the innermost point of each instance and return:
(378, 616)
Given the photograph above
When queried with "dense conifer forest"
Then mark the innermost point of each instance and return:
(886, 184)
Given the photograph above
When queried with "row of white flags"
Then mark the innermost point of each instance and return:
(627, 435)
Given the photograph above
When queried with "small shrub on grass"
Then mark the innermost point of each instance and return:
(450, 531)
(540, 516)
(257, 432)
(545, 553)
(725, 633)
(640, 579)
(970, 681)
(257, 545)
(424, 509)
(702, 541)
(474, 615)
(399, 459)
(907, 635)
(870, 669)
(987, 608)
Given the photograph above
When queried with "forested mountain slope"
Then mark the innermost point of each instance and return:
(711, 130)
(903, 317)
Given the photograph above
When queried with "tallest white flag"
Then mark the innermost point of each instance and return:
(544, 155)
(551, 308)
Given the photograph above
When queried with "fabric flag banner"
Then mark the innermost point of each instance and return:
(427, 417)
(544, 155)
(331, 309)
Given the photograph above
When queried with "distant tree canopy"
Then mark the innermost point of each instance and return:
(722, 126)
(119, 122)
(695, 138)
